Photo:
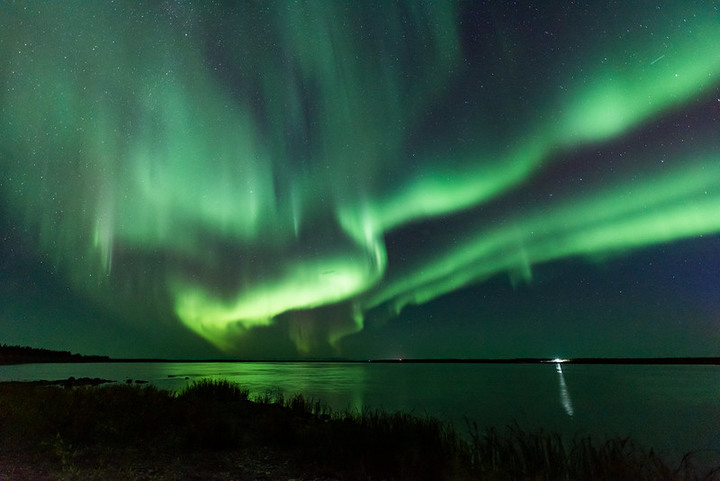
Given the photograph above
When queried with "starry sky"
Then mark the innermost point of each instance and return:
(281, 180)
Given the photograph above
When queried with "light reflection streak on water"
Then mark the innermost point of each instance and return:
(564, 393)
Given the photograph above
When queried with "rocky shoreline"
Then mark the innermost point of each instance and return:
(131, 464)
(69, 382)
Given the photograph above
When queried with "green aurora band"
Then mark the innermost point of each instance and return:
(230, 167)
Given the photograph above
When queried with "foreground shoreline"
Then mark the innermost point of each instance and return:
(213, 430)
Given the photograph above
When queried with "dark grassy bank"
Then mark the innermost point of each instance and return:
(213, 430)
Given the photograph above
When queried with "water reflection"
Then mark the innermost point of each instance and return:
(337, 385)
(564, 394)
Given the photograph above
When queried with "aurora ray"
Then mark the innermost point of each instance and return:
(241, 168)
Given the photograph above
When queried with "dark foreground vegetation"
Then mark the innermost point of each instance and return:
(214, 430)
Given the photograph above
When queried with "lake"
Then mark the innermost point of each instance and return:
(673, 408)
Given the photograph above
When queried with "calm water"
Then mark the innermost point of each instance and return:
(672, 408)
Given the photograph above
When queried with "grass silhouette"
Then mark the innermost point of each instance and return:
(77, 427)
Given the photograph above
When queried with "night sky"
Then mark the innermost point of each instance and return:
(360, 179)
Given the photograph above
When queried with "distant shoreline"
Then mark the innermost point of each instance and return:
(10, 355)
(30, 355)
(586, 360)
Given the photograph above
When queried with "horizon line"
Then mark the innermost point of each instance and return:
(519, 360)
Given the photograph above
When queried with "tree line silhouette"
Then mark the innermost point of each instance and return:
(27, 354)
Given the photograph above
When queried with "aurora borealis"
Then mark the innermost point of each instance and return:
(361, 179)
